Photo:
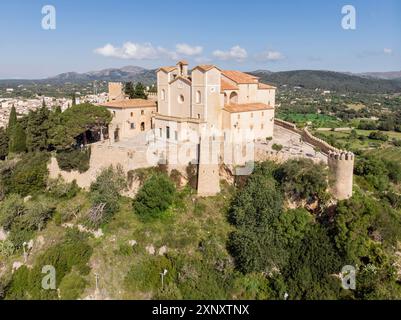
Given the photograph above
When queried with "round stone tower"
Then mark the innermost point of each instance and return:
(341, 169)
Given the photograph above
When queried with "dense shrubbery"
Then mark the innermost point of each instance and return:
(302, 179)
(106, 190)
(29, 175)
(22, 219)
(299, 254)
(378, 135)
(60, 189)
(377, 172)
(74, 159)
(155, 196)
(73, 252)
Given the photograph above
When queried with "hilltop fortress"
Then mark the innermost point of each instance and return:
(209, 117)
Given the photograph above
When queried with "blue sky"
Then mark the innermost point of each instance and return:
(234, 34)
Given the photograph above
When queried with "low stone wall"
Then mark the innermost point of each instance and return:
(307, 137)
(319, 143)
(103, 154)
(287, 125)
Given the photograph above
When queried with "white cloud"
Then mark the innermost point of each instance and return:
(146, 51)
(130, 50)
(388, 51)
(187, 50)
(235, 53)
(271, 56)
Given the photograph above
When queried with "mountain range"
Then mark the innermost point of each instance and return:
(369, 82)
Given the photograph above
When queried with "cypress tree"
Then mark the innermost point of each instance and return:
(12, 120)
(3, 144)
(17, 139)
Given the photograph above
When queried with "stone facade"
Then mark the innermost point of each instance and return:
(116, 91)
(130, 117)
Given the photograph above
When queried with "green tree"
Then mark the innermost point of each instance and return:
(303, 179)
(12, 120)
(129, 90)
(140, 91)
(3, 144)
(150, 202)
(17, 142)
(106, 190)
(311, 268)
(38, 125)
(75, 122)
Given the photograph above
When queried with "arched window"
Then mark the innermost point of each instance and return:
(233, 97)
(163, 96)
(198, 97)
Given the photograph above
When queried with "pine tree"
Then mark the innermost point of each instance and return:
(129, 90)
(37, 129)
(139, 92)
(74, 99)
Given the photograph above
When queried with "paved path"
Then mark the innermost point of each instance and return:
(292, 146)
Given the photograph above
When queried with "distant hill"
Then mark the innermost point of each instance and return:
(128, 73)
(392, 75)
(329, 80)
(309, 79)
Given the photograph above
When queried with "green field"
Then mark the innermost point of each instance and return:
(317, 120)
(343, 139)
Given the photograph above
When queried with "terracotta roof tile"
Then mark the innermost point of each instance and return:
(263, 86)
(240, 77)
(130, 103)
(205, 67)
(245, 107)
(184, 62)
(167, 69)
(226, 85)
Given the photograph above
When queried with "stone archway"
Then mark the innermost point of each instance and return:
(233, 97)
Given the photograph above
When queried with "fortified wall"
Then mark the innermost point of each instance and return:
(340, 162)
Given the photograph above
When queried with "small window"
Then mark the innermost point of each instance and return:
(114, 113)
(251, 126)
(168, 132)
(198, 115)
(176, 135)
(262, 126)
(163, 95)
(142, 112)
(263, 113)
(251, 114)
(239, 116)
(198, 97)
(161, 132)
(132, 125)
(181, 98)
